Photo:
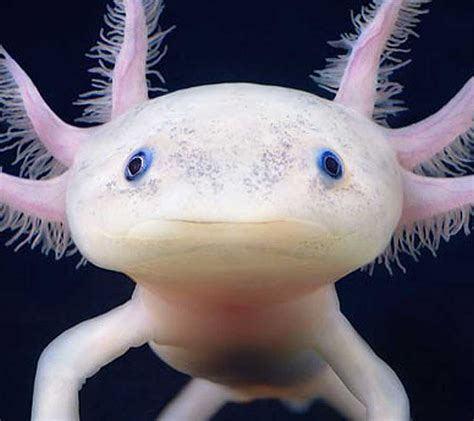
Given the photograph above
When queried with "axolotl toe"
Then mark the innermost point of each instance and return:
(235, 208)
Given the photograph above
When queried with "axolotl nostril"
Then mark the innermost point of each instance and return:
(235, 208)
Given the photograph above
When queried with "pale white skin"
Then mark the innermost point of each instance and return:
(235, 235)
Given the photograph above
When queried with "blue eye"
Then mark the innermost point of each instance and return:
(138, 164)
(330, 163)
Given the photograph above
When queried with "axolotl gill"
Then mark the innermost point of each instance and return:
(235, 208)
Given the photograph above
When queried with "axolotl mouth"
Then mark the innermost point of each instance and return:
(230, 255)
(288, 238)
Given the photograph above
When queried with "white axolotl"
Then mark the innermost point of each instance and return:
(235, 208)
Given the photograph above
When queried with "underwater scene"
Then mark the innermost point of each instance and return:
(237, 229)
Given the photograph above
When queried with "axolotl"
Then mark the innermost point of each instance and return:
(235, 208)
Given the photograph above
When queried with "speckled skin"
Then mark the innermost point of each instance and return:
(243, 156)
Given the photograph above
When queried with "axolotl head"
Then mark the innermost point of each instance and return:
(235, 184)
(236, 187)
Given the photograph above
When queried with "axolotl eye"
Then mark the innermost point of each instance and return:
(330, 163)
(138, 164)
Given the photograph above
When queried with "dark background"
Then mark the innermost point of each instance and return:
(420, 323)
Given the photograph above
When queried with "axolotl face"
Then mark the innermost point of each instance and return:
(235, 187)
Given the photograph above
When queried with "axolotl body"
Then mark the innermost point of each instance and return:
(235, 208)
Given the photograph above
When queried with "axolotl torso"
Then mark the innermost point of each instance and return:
(235, 208)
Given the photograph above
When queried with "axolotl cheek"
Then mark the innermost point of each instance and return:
(239, 186)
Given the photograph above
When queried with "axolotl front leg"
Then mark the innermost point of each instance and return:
(80, 352)
(83, 350)
(369, 378)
